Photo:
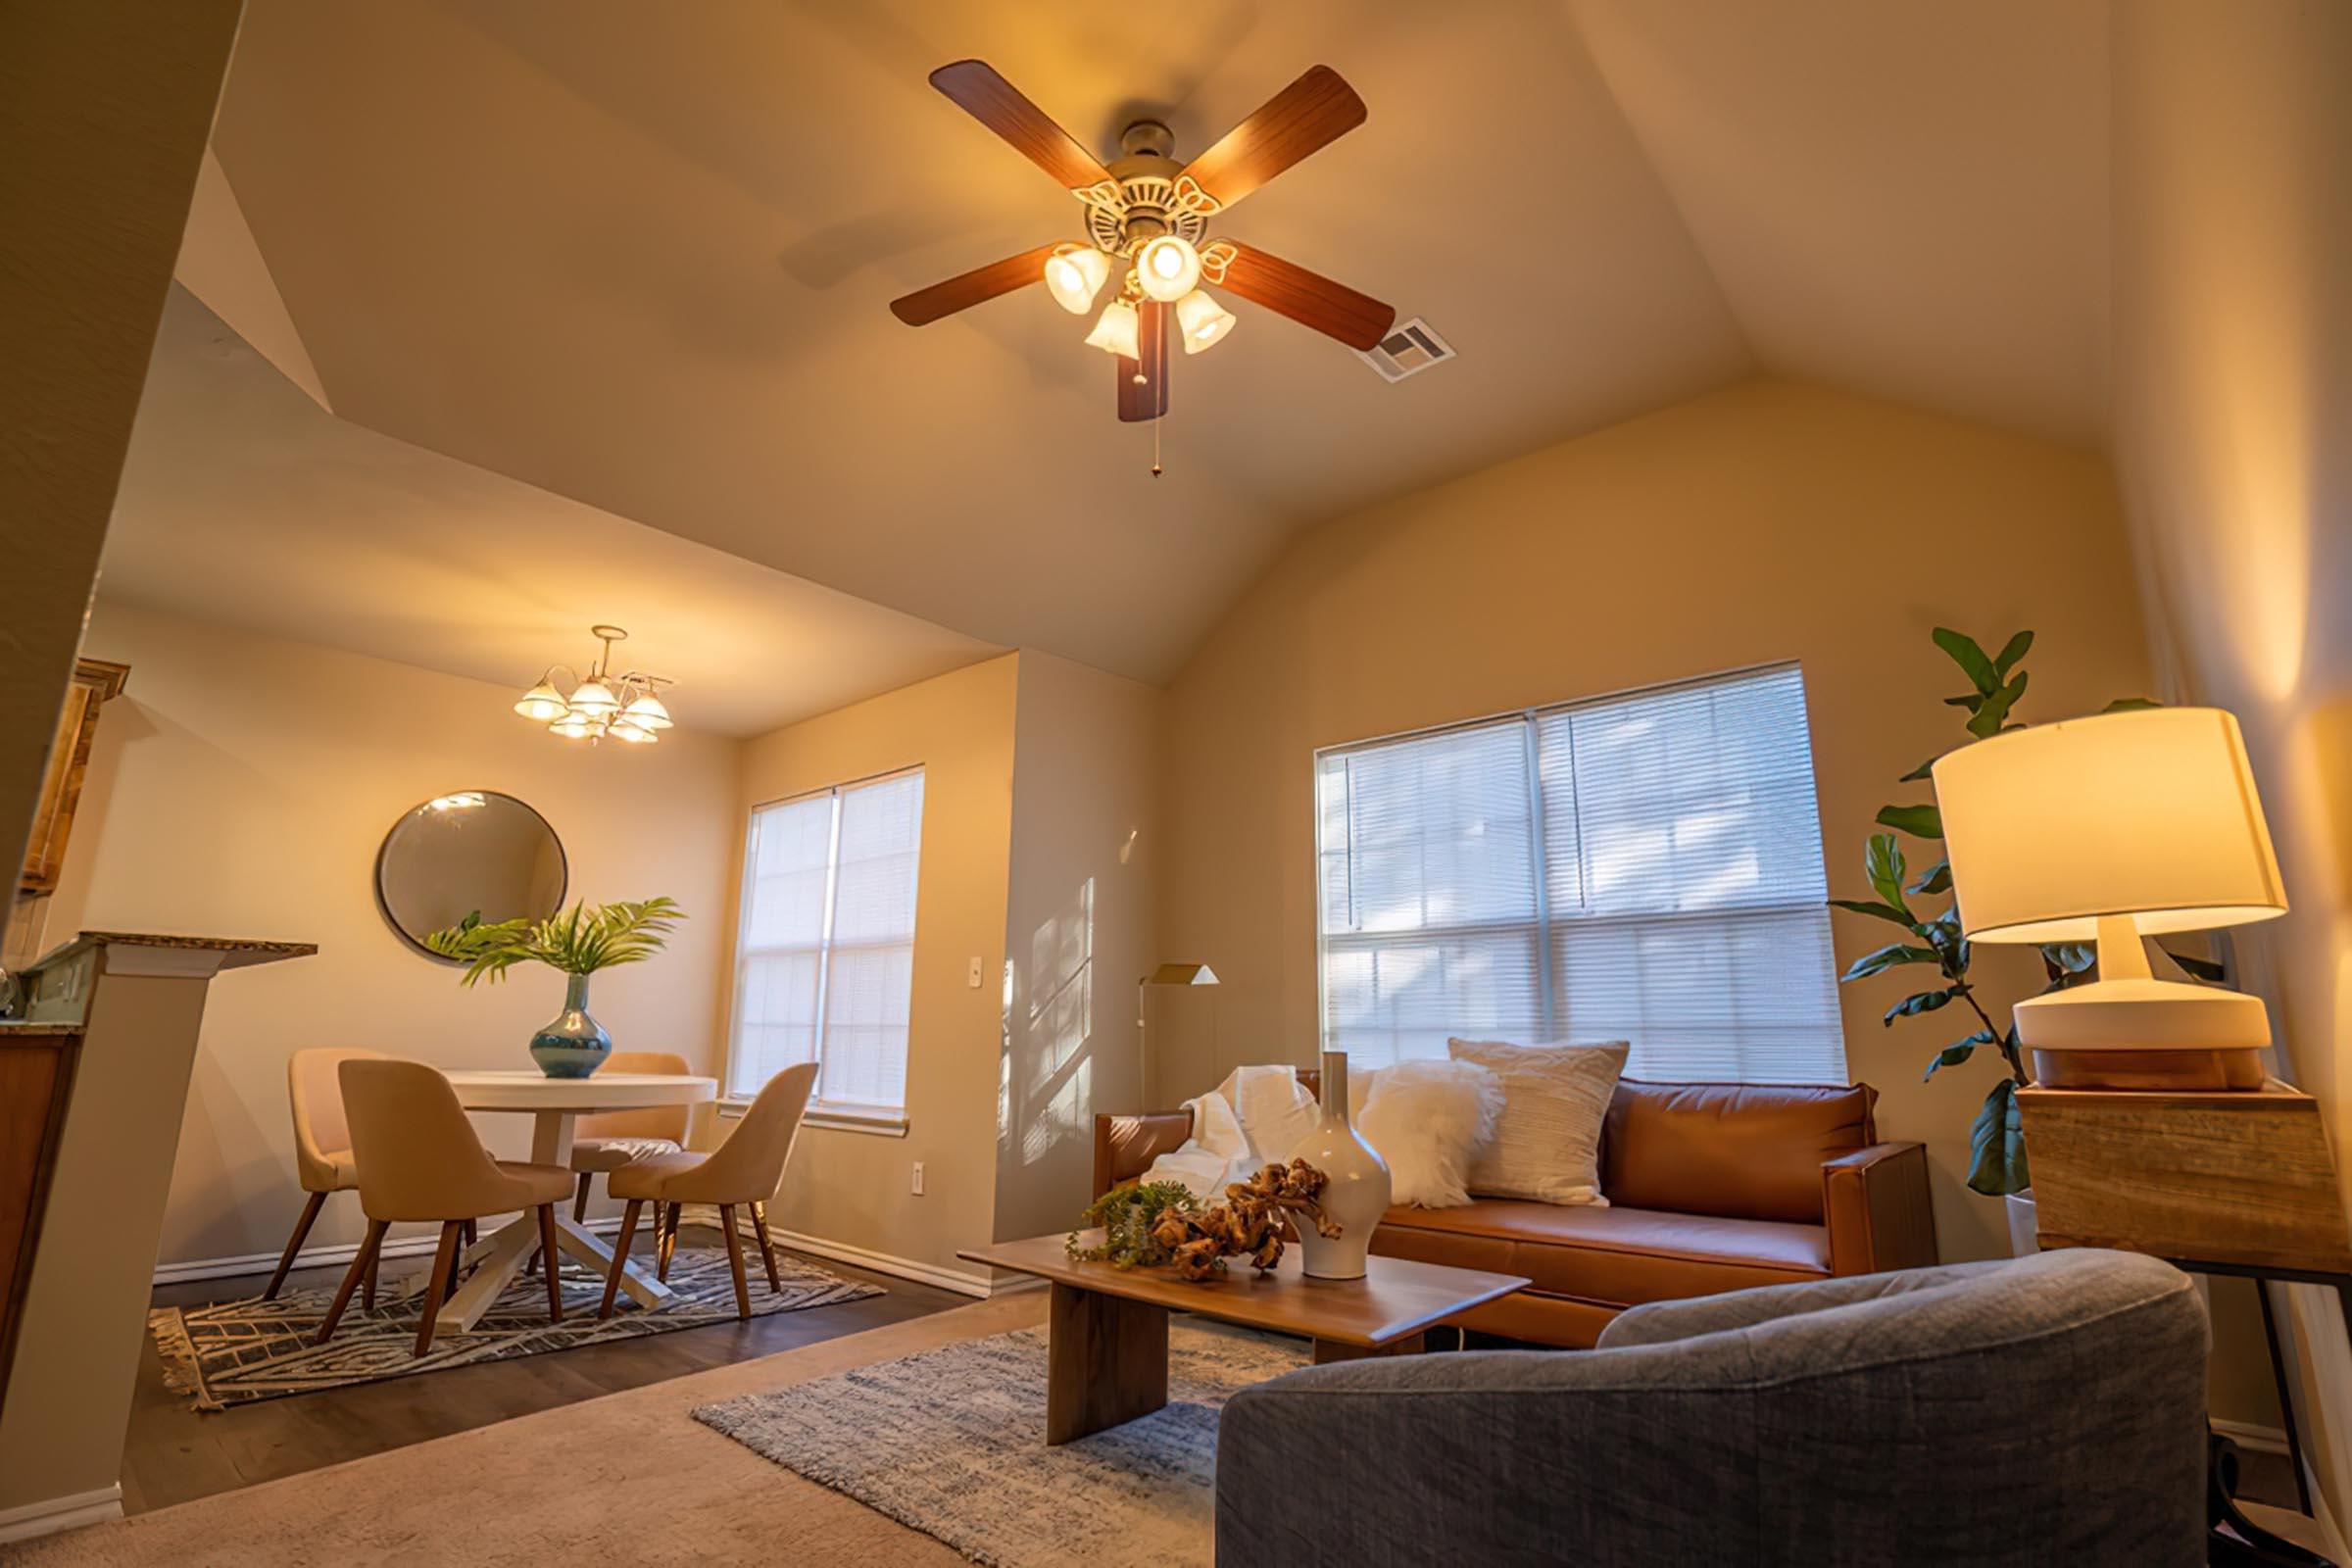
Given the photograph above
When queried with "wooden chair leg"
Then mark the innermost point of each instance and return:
(669, 1243)
(547, 1244)
(302, 1229)
(470, 1235)
(579, 1200)
(743, 1292)
(360, 1264)
(767, 1248)
(620, 1256)
(436, 1289)
(375, 1261)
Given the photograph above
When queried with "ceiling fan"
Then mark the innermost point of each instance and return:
(1147, 216)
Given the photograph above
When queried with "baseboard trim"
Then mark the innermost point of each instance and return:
(905, 1268)
(2249, 1435)
(51, 1515)
(337, 1254)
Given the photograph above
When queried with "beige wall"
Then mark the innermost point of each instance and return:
(1769, 521)
(1081, 926)
(852, 1187)
(2233, 449)
(241, 786)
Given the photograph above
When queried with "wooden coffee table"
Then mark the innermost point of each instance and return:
(1108, 1357)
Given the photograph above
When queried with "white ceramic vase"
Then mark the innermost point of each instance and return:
(1357, 1193)
(2025, 1230)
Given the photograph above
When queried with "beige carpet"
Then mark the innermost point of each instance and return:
(628, 1478)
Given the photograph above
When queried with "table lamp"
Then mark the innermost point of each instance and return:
(2111, 829)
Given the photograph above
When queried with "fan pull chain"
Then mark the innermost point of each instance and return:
(1155, 425)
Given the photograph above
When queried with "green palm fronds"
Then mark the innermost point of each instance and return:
(577, 941)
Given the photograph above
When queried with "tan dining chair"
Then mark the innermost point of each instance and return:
(323, 1162)
(420, 1160)
(744, 1171)
(611, 1139)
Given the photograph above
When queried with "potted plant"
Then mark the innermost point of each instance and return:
(1996, 1142)
(578, 942)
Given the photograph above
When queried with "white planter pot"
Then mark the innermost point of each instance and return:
(1357, 1195)
(2023, 1235)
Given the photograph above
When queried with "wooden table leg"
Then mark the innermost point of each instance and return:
(1107, 1362)
(1330, 1350)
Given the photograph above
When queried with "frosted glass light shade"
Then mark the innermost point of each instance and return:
(1202, 320)
(646, 713)
(1115, 332)
(542, 704)
(1074, 276)
(574, 728)
(2150, 814)
(627, 729)
(1168, 267)
(594, 699)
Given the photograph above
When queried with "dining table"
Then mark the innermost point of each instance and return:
(555, 1106)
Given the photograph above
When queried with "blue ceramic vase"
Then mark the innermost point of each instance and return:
(573, 1045)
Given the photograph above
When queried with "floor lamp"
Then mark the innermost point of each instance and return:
(1167, 974)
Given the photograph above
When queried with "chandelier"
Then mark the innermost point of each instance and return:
(601, 704)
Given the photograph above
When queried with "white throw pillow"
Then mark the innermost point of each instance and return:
(1429, 1119)
(1547, 1144)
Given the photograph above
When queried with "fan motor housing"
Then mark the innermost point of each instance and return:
(1145, 197)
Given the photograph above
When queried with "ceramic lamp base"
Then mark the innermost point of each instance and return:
(2143, 1033)
(2175, 1069)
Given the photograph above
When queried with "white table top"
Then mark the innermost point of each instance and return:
(532, 1090)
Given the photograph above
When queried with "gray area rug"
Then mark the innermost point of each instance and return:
(952, 1443)
(235, 1353)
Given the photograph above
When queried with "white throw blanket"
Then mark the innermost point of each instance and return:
(1256, 1116)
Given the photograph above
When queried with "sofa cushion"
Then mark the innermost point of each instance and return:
(1618, 1255)
(1739, 1150)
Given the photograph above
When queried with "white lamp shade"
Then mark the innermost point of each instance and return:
(625, 729)
(1074, 276)
(1115, 332)
(1168, 267)
(542, 703)
(2150, 813)
(1202, 320)
(593, 699)
(646, 713)
(573, 728)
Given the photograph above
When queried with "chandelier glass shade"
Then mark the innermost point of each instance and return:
(601, 705)
(1074, 276)
(1168, 267)
(1115, 332)
(1202, 320)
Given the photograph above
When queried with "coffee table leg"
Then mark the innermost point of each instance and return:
(1330, 1350)
(1108, 1362)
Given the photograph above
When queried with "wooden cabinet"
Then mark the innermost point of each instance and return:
(36, 1073)
(95, 681)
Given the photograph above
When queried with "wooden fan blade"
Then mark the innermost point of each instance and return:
(1308, 114)
(1311, 300)
(1149, 401)
(974, 88)
(928, 305)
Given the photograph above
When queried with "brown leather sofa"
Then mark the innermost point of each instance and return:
(1711, 1187)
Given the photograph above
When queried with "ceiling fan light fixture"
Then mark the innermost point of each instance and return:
(1203, 320)
(1074, 276)
(1168, 267)
(1115, 332)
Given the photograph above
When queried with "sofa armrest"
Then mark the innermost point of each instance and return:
(1874, 1203)
(1126, 1145)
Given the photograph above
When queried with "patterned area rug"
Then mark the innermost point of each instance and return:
(235, 1353)
(952, 1443)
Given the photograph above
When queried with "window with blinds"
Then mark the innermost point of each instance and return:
(824, 952)
(1642, 867)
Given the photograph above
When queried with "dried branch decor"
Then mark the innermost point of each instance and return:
(1161, 1222)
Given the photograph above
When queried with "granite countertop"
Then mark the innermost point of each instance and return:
(17, 1027)
(248, 950)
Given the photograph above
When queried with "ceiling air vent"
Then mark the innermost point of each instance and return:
(1413, 347)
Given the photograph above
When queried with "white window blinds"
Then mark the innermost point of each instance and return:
(1644, 867)
(824, 962)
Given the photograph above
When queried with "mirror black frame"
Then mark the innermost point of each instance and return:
(383, 905)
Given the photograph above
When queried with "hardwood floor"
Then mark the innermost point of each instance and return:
(174, 1454)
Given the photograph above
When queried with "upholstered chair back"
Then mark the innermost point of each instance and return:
(321, 1131)
(417, 1155)
(651, 1121)
(750, 1165)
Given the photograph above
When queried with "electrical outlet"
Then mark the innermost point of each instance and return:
(918, 1178)
(973, 975)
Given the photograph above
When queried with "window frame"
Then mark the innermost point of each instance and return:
(884, 1121)
(1541, 923)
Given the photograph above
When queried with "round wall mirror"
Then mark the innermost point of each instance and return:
(474, 852)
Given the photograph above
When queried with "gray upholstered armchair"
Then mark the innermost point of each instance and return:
(2044, 1411)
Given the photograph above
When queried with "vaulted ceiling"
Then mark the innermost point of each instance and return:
(641, 259)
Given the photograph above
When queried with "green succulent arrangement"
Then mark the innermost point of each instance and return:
(579, 940)
(1996, 1139)
(1127, 1215)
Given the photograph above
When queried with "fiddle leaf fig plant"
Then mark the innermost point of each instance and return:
(1934, 940)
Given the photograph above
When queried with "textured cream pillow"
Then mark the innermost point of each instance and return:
(1547, 1147)
(1427, 1120)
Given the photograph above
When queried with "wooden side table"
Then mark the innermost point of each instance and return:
(2236, 1183)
